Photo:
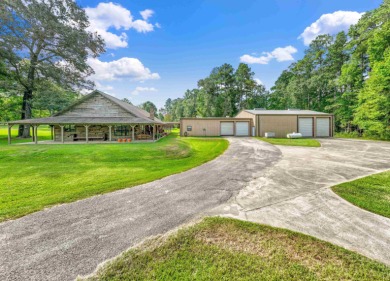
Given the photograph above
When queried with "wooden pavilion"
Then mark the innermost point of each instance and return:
(98, 117)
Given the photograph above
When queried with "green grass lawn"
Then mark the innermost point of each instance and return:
(43, 134)
(227, 249)
(371, 193)
(36, 176)
(292, 142)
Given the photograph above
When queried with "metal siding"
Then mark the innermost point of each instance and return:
(227, 128)
(201, 127)
(281, 125)
(245, 114)
(305, 125)
(242, 128)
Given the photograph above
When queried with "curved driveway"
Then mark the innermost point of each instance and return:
(65, 241)
(294, 193)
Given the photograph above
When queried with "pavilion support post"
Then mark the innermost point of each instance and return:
(154, 132)
(35, 128)
(9, 134)
(132, 133)
(110, 133)
(33, 133)
(62, 134)
(52, 132)
(86, 133)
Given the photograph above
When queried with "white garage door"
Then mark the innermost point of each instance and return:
(242, 128)
(306, 126)
(227, 128)
(323, 127)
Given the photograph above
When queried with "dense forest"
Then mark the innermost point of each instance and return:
(345, 74)
(348, 74)
(223, 93)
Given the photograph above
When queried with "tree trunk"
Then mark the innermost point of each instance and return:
(24, 130)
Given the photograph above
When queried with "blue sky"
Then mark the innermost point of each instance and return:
(158, 49)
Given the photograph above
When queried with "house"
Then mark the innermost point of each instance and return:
(259, 121)
(98, 117)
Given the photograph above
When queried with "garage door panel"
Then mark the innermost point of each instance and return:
(305, 126)
(242, 129)
(227, 128)
(323, 127)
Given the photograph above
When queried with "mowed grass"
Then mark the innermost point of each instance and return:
(371, 193)
(227, 249)
(43, 134)
(292, 142)
(36, 176)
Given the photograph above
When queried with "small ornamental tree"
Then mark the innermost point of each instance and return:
(48, 40)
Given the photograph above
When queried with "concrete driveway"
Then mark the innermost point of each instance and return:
(63, 242)
(294, 193)
(253, 180)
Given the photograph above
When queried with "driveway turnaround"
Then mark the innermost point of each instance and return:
(68, 240)
(294, 193)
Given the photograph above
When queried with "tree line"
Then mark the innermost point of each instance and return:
(224, 92)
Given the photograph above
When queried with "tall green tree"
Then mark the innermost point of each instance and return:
(224, 92)
(49, 98)
(46, 39)
(149, 106)
(372, 113)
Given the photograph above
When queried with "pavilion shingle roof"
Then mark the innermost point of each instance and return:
(85, 120)
(141, 116)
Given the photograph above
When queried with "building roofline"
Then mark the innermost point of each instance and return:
(214, 118)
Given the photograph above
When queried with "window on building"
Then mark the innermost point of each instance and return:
(121, 130)
(69, 128)
(189, 128)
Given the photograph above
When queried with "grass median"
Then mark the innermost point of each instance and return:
(292, 142)
(33, 177)
(371, 193)
(227, 249)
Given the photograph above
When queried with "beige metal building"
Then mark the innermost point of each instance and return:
(211, 127)
(257, 122)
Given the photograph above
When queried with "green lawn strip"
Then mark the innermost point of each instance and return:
(371, 193)
(44, 133)
(228, 249)
(36, 176)
(292, 142)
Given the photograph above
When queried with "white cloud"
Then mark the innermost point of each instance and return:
(258, 81)
(330, 24)
(284, 54)
(102, 87)
(142, 26)
(146, 14)
(143, 89)
(110, 15)
(129, 68)
(280, 54)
